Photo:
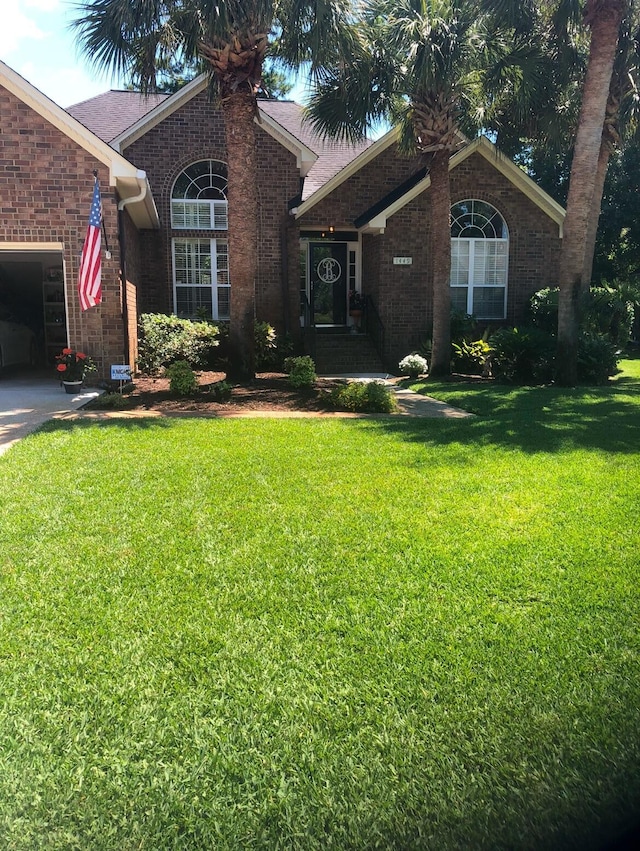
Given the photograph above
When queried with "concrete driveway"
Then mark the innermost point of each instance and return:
(28, 400)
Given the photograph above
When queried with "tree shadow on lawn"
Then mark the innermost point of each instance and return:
(533, 419)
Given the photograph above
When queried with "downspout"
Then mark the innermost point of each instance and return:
(123, 263)
(284, 252)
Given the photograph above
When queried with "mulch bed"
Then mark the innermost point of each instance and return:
(268, 391)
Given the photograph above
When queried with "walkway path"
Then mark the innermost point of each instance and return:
(27, 403)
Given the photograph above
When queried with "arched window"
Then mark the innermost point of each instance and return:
(201, 264)
(199, 197)
(479, 260)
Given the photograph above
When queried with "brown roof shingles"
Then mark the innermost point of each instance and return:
(110, 114)
(332, 156)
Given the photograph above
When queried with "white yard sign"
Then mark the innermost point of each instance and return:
(120, 372)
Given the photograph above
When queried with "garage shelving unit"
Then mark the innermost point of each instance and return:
(55, 316)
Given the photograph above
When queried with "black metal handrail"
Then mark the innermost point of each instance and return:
(307, 315)
(308, 327)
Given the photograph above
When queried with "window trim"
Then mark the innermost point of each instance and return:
(472, 283)
(217, 208)
(214, 286)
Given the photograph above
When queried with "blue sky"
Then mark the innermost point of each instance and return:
(36, 41)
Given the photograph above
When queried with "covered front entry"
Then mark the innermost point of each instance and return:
(330, 271)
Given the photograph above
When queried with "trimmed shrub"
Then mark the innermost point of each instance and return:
(301, 370)
(371, 397)
(606, 310)
(221, 391)
(543, 309)
(522, 356)
(165, 339)
(609, 313)
(598, 358)
(182, 379)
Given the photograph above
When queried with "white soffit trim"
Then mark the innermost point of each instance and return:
(498, 160)
(159, 113)
(122, 173)
(32, 246)
(345, 173)
(305, 157)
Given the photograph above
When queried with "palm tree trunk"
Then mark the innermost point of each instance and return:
(594, 216)
(239, 109)
(441, 251)
(605, 20)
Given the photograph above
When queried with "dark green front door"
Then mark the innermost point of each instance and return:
(328, 272)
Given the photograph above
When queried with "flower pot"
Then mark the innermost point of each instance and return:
(355, 313)
(72, 387)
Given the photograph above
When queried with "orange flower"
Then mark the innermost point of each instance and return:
(81, 355)
(61, 367)
(67, 351)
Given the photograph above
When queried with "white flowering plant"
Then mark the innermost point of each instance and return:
(413, 365)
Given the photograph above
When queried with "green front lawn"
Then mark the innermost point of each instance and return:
(315, 634)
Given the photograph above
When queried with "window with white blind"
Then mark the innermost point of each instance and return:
(199, 197)
(479, 260)
(201, 278)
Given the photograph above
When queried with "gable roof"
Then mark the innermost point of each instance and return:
(131, 183)
(121, 118)
(111, 113)
(374, 220)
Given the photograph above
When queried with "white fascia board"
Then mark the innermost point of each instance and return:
(32, 246)
(345, 173)
(520, 179)
(498, 160)
(305, 157)
(159, 113)
(64, 122)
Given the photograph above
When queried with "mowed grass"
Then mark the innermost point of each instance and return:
(328, 633)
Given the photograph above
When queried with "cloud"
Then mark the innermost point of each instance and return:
(43, 5)
(17, 26)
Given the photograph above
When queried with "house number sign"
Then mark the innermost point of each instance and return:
(329, 270)
(402, 261)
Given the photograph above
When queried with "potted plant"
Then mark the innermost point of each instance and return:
(72, 368)
(413, 365)
(356, 303)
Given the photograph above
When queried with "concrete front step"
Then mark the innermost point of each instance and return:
(346, 353)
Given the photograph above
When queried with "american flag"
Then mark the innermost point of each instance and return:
(89, 278)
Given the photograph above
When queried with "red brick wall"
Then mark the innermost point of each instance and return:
(196, 132)
(46, 184)
(402, 294)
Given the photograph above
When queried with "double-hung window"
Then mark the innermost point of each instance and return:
(479, 260)
(200, 263)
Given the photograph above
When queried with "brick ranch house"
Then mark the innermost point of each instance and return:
(333, 219)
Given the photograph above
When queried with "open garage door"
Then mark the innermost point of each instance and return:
(33, 320)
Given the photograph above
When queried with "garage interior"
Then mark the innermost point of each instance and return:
(32, 289)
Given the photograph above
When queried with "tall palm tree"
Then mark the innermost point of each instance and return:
(620, 123)
(604, 18)
(419, 63)
(136, 38)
